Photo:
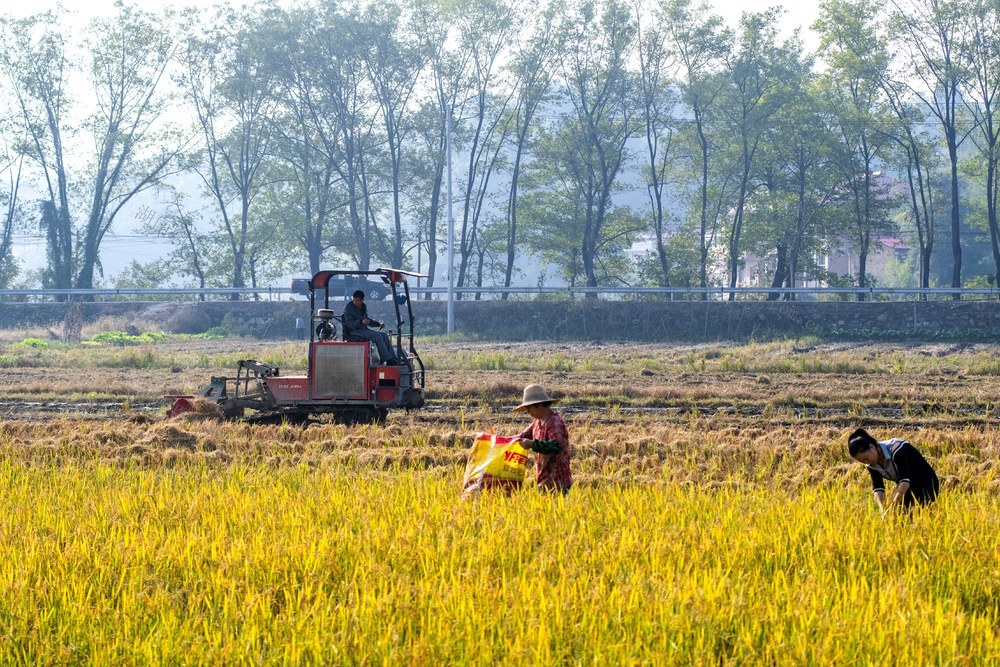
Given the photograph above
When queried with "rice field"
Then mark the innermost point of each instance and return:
(691, 536)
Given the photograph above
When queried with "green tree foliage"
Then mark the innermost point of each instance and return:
(577, 130)
(532, 71)
(936, 38)
(35, 64)
(486, 29)
(762, 75)
(982, 95)
(793, 208)
(658, 99)
(701, 44)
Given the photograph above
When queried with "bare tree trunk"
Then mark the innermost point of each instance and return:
(703, 237)
(956, 241)
(991, 207)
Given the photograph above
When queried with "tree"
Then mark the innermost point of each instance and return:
(933, 33)
(553, 224)
(394, 59)
(35, 64)
(127, 58)
(313, 183)
(919, 162)
(982, 93)
(799, 184)
(129, 55)
(854, 97)
(435, 114)
(13, 150)
(590, 146)
(428, 176)
(858, 27)
(758, 70)
(343, 114)
(189, 255)
(190, 245)
(531, 68)
(229, 80)
(701, 43)
(656, 64)
(486, 30)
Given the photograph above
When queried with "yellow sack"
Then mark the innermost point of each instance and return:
(495, 462)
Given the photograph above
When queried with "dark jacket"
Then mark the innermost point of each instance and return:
(903, 463)
(353, 316)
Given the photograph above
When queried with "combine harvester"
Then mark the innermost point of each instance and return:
(344, 378)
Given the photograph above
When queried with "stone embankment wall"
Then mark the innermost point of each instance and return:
(664, 321)
(569, 320)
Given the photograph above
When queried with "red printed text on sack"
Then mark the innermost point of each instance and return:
(516, 457)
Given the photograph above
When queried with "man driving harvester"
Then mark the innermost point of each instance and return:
(356, 323)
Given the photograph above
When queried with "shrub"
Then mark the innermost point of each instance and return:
(213, 333)
(34, 343)
(121, 338)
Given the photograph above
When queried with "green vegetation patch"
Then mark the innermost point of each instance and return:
(122, 338)
(33, 343)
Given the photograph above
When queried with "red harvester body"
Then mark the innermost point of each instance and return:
(344, 378)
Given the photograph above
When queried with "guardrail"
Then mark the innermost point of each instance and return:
(669, 293)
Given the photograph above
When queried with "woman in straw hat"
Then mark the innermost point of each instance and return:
(551, 467)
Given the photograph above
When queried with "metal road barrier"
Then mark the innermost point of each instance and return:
(721, 294)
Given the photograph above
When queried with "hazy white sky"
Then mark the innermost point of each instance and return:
(798, 13)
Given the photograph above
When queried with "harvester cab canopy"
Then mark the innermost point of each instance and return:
(330, 284)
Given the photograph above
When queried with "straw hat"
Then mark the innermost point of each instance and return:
(534, 394)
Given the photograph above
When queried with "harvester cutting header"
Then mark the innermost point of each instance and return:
(345, 378)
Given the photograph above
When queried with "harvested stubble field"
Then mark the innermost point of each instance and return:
(721, 523)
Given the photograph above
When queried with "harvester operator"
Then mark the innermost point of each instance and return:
(356, 323)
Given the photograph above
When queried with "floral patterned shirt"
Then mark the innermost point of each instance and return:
(552, 471)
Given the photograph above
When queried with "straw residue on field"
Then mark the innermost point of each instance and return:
(752, 453)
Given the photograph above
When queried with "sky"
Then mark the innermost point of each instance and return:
(798, 13)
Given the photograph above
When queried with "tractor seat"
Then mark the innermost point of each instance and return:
(354, 339)
(346, 335)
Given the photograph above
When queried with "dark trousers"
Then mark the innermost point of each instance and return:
(921, 495)
(382, 342)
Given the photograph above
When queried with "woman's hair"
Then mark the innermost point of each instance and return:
(859, 441)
